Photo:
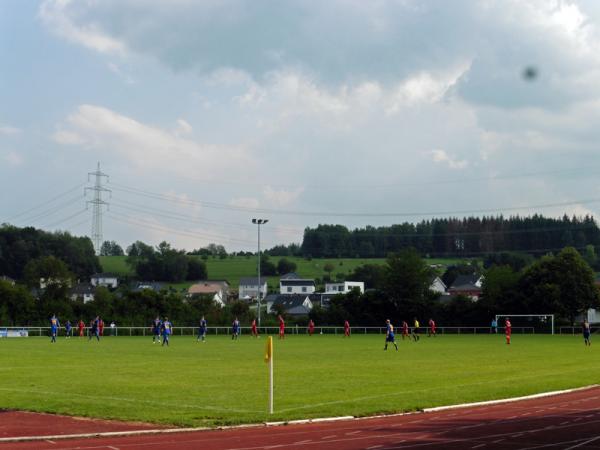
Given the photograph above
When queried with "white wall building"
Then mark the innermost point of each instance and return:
(292, 286)
(344, 287)
(249, 288)
(104, 279)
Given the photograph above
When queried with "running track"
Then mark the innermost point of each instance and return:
(566, 421)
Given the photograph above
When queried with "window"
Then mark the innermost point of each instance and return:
(303, 288)
(289, 289)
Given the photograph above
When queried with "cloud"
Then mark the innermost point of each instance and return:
(62, 17)
(183, 127)
(440, 156)
(144, 146)
(279, 198)
(12, 158)
(245, 202)
(8, 130)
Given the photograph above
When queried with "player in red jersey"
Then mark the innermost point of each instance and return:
(404, 329)
(81, 327)
(507, 330)
(431, 328)
(311, 327)
(253, 329)
(101, 327)
(281, 328)
(346, 329)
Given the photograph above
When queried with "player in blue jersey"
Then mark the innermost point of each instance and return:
(202, 330)
(167, 329)
(235, 329)
(389, 335)
(54, 326)
(586, 333)
(68, 328)
(156, 330)
(94, 329)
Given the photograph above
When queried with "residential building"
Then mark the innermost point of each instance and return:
(467, 285)
(108, 280)
(292, 304)
(249, 288)
(437, 285)
(83, 291)
(7, 279)
(217, 289)
(344, 287)
(139, 286)
(292, 284)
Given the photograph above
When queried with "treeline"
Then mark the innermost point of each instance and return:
(18, 246)
(561, 284)
(451, 237)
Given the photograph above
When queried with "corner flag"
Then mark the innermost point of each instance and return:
(269, 349)
(269, 360)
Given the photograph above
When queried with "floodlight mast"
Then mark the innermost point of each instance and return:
(258, 223)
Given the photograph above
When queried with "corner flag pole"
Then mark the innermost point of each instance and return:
(269, 360)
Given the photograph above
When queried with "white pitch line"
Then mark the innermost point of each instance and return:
(269, 424)
(583, 443)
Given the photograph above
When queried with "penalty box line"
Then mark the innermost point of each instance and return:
(289, 422)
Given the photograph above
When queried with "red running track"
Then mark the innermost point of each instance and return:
(566, 421)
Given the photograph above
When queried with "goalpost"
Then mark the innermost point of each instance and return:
(543, 317)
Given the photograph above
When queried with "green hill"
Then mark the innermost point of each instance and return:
(234, 268)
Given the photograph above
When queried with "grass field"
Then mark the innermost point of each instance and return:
(232, 269)
(225, 382)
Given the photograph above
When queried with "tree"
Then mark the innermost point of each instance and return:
(372, 275)
(267, 268)
(328, 267)
(562, 284)
(500, 292)
(47, 270)
(407, 281)
(196, 269)
(284, 266)
(111, 248)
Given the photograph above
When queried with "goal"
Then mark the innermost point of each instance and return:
(541, 317)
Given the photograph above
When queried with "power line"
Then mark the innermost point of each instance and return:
(215, 205)
(185, 233)
(66, 219)
(52, 210)
(62, 194)
(357, 233)
(313, 186)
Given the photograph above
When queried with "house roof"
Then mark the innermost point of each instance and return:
(205, 288)
(104, 275)
(82, 289)
(151, 285)
(297, 282)
(252, 281)
(464, 282)
(290, 276)
(433, 279)
(287, 301)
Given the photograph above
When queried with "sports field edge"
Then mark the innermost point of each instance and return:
(292, 422)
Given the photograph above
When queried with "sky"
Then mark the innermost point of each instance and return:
(206, 114)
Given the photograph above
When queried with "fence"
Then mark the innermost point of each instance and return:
(193, 331)
(576, 330)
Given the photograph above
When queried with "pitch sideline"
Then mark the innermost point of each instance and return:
(290, 422)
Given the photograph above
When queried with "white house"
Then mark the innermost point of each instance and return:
(84, 291)
(104, 279)
(249, 288)
(217, 289)
(344, 287)
(437, 285)
(289, 286)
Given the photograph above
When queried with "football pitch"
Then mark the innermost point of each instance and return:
(225, 382)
